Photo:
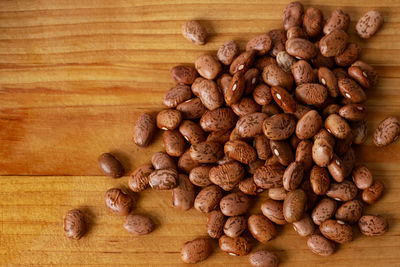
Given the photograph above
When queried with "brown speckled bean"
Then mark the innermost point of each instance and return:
(227, 175)
(278, 38)
(293, 15)
(235, 226)
(263, 258)
(164, 179)
(294, 205)
(169, 119)
(208, 66)
(183, 74)
(110, 165)
(293, 176)
(362, 177)
(324, 210)
(349, 211)
(279, 126)
(240, 151)
(337, 231)
(311, 93)
(269, 176)
(183, 194)
(320, 180)
(208, 198)
(138, 224)
(139, 179)
(301, 48)
(74, 224)
(320, 245)
(227, 52)
(373, 193)
(192, 109)
(273, 210)
(369, 24)
(215, 223)
(218, 120)
(261, 228)
(373, 225)
(302, 72)
(305, 226)
(118, 202)
(273, 75)
(194, 32)
(309, 125)
(144, 129)
(343, 191)
(176, 95)
(260, 43)
(313, 21)
(196, 250)
(387, 132)
(238, 246)
(234, 204)
(174, 143)
(351, 90)
(337, 20)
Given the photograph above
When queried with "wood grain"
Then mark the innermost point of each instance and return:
(74, 75)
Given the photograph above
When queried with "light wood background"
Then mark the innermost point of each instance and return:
(73, 77)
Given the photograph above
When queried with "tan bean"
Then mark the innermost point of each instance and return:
(273, 210)
(337, 20)
(305, 226)
(139, 179)
(174, 143)
(206, 152)
(169, 119)
(373, 193)
(301, 48)
(227, 175)
(208, 66)
(278, 39)
(293, 15)
(269, 176)
(218, 120)
(302, 72)
(196, 250)
(313, 21)
(261, 228)
(309, 125)
(349, 211)
(294, 205)
(176, 95)
(208, 198)
(343, 191)
(279, 126)
(200, 176)
(183, 194)
(351, 90)
(284, 99)
(273, 75)
(242, 62)
(334, 43)
(227, 52)
(293, 176)
(183, 74)
(234, 204)
(311, 93)
(215, 223)
(186, 163)
(238, 246)
(235, 226)
(164, 179)
(144, 129)
(320, 245)
(369, 24)
(387, 132)
(245, 106)
(192, 132)
(373, 225)
(304, 154)
(260, 43)
(194, 32)
(324, 210)
(192, 109)
(320, 180)
(263, 258)
(240, 151)
(337, 231)
(138, 224)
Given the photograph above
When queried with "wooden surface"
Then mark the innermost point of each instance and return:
(73, 77)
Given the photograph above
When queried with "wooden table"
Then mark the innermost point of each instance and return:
(74, 75)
